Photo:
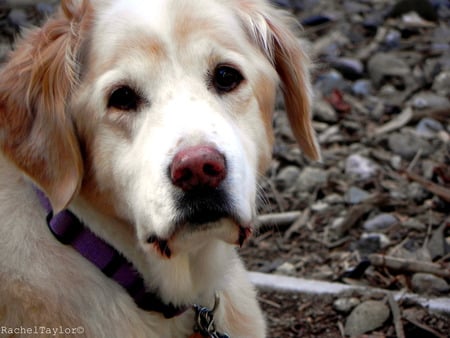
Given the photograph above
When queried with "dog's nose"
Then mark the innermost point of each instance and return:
(198, 167)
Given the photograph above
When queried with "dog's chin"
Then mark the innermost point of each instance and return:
(188, 237)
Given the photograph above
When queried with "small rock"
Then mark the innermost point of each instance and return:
(18, 17)
(333, 199)
(408, 144)
(429, 127)
(355, 195)
(429, 284)
(323, 111)
(393, 38)
(366, 317)
(415, 224)
(360, 168)
(417, 193)
(349, 68)
(370, 243)
(326, 83)
(429, 100)
(345, 305)
(316, 20)
(287, 177)
(362, 87)
(319, 206)
(383, 65)
(437, 245)
(287, 269)
(441, 84)
(380, 222)
(311, 178)
(396, 162)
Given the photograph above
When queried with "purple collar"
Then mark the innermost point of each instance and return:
(69, 230)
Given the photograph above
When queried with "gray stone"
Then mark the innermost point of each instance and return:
(380, 222)
(429, 284)
(441, 84)
(417, 193)
(408, 144)
(18, 17)
(362, 87)
(345, 305)
(429, 100)
(287, 269)
(370, 243)
(355, 195)
(366, 317)
(287, 177)
(311, 178)
(323, 111)
(350, 68)
(360, 168)
(382, 65)
(429, 127)
(437, 245)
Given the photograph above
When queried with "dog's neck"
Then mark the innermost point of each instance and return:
(69, 230)
(185, 279)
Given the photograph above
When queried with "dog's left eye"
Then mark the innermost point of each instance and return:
(226, 79)
(124, 98)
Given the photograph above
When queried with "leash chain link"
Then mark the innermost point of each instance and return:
(205, 321)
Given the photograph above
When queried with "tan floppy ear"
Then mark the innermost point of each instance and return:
(36, 133)
(271, 30)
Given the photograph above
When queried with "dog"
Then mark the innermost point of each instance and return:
(149, 122)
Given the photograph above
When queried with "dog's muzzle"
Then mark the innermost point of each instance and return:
(203, 203)
(199, 174)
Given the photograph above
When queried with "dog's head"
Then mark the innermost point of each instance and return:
(158, 113)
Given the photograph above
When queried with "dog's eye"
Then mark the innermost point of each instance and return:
(124, 98)
(226, 79)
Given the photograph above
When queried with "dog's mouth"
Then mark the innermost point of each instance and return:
(187, 238)
(201, 216)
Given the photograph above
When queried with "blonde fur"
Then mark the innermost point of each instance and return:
(108, 166)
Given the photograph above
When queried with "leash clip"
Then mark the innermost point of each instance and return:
(204, 320)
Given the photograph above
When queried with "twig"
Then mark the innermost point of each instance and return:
(424, 327)
(269, 302)
(415, 159)
(398, 122)
(356, 212)
(301, 221)
(278, 219)
(408, 265)
(341, 328)
(436, 189)
(396, 316)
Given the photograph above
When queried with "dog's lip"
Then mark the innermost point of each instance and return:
(231, 232)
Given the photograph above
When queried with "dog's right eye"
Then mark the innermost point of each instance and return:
(124, 98)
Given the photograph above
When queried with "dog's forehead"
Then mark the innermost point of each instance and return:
(170, 21)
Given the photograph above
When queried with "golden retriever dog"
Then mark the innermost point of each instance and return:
(133, 133)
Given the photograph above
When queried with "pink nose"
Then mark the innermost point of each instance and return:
(198, 167)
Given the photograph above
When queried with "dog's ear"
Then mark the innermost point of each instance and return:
(271, 30)
(36, 132)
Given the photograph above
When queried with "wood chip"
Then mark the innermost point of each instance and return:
(409, 265)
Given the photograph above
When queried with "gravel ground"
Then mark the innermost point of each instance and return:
(376, 210)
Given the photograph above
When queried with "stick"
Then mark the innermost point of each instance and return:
(436, 189)
(278, 219)
(396, 316)
(301, 221)
(398, 122)
(408, 265)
